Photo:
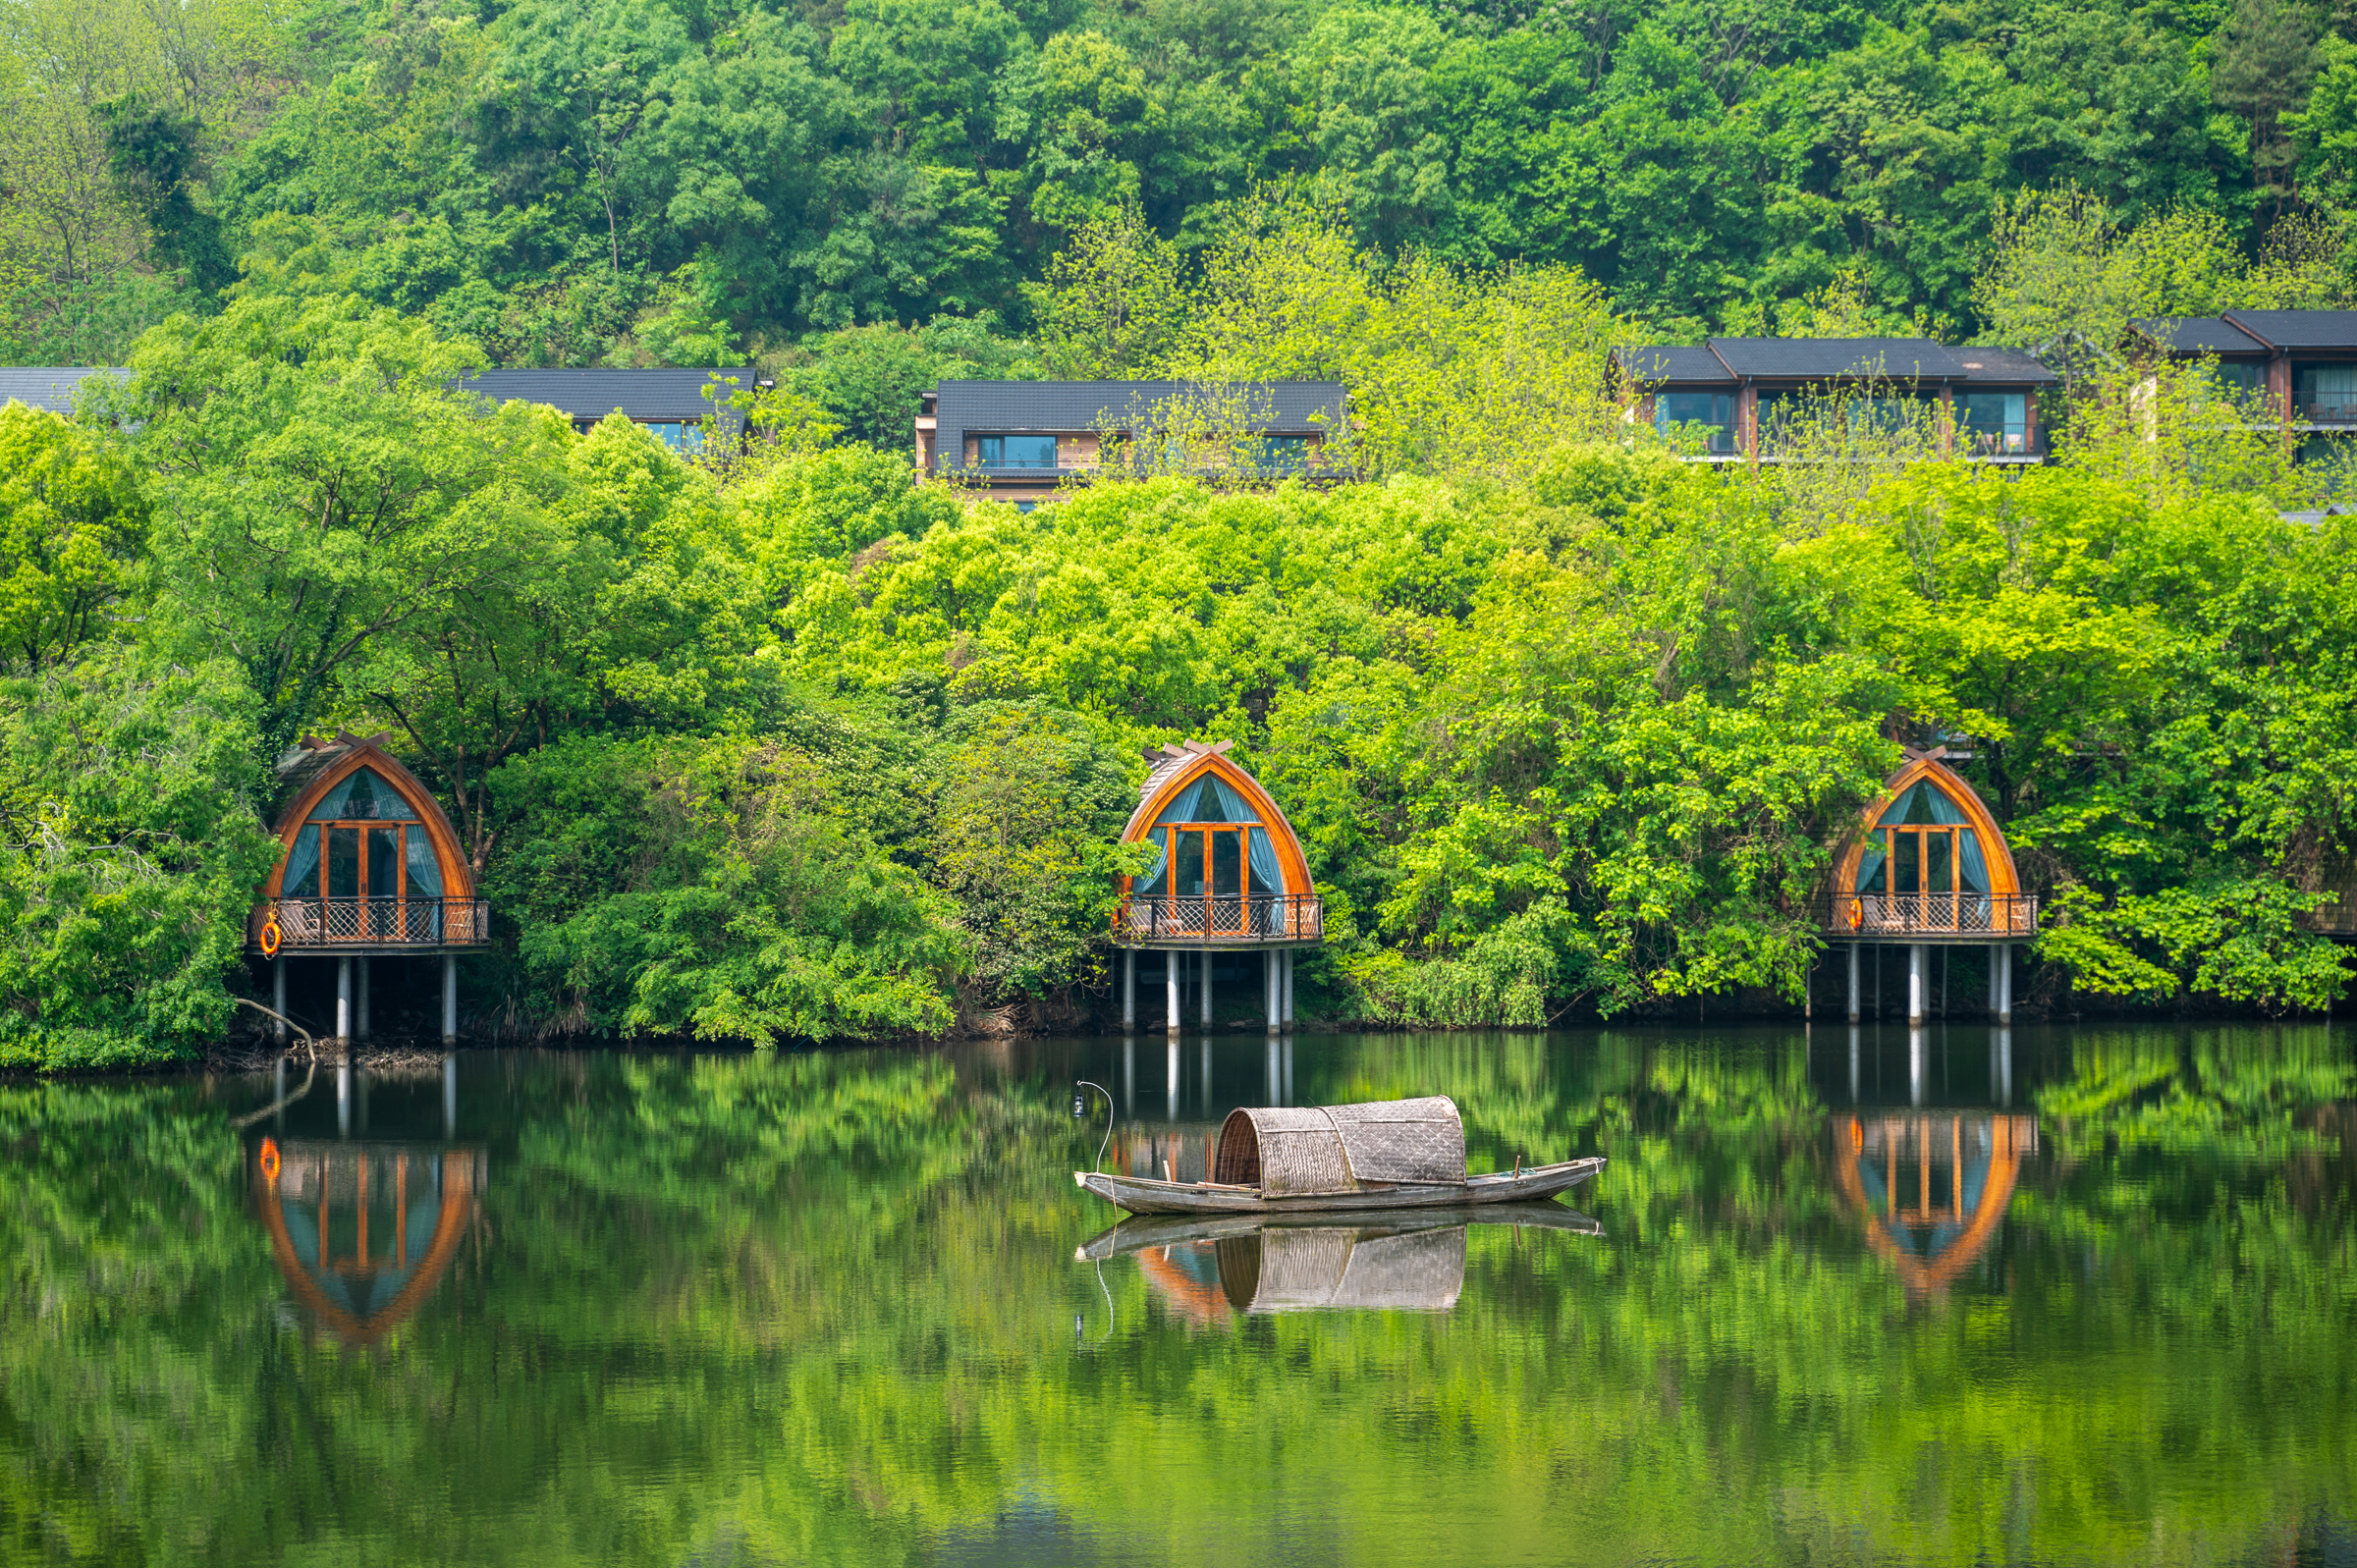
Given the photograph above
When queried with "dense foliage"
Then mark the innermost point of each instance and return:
(634, 181)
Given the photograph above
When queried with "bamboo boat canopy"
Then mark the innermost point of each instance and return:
(1306, 1151)
(1306, 1269)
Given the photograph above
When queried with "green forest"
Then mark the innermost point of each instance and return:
(773, 744)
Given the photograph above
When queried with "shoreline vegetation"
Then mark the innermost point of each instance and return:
(772, 743)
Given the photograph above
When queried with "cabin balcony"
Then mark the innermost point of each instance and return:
(1930, 917)
(368, 925)
(1222, 920)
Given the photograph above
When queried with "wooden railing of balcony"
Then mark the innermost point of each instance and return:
(1931, 914)
(313, 924)
(1224, 918)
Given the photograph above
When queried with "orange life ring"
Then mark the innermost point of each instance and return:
(271, 938)
(1857, 914)
(270, 1159)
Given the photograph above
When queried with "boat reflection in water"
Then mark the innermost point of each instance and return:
(1409, 1260)
(365, 1231)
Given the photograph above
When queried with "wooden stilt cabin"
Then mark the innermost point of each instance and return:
(1928, 866)
(1227, 876)
(368, 866)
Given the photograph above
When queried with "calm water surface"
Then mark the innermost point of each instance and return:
(2072, 1297)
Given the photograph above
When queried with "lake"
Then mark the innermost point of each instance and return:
(2045, 1296)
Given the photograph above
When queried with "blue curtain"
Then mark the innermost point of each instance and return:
(1207, 800)
(1151, 882)
(425, 871)
(302, 880)
(1267, 876)
(1975, 869)
(1868, 864)
(367, 794)
(1925, 805)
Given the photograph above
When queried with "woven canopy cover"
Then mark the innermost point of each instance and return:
(1283, 1269)
(1316, 1151)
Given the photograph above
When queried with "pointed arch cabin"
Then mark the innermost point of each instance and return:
(1927, 865)
(1227, 875)
(368, 865)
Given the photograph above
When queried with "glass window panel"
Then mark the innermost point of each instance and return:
(1016, 451)
(1227, 864)
(2327, 391)
(1939, 863)
(1189, 866)
(1993, 422)
(1284, 454)
(343, 878)
(1708, 414)
(384, 862)
(680, 435)
(1906, 864)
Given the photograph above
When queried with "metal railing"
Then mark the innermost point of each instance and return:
(308, 922)
(1931, 914)
(1230, 917)
(2327, 411)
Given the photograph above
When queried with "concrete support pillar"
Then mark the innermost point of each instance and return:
(1914, 1065)
(1170, 986)
(1853, 982)
(2005, 1067)
(1170, 1103)
(2004, 982)
(343, 1000)
(450, 999)
(450, 1098)
(1129, 990)
(360, 1027)
(278, 1000)
(1289, 1007)
(1853, 1060)
(1129, 1077)
(1285, 1096)
(1272, 989)
(1276, 1074)
(1203, 984)
(343, 1100)
(1915, 978)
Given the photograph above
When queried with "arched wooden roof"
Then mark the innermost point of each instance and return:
(1183, 766)
(458, 876)
(1928, 768)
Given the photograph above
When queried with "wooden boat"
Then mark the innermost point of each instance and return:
(1389, 1153)
(1170, 1230)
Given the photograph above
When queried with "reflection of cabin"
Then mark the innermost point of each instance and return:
(1932, 1190)
(368, 865)
(363, 1232)
(1227, 875)
(1928, 864)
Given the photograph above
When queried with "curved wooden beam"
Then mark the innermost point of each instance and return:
(2004, 880)
(1264, 806)
(458, 877)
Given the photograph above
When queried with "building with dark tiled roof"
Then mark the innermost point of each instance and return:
(1724, 393)
(1018, 441)
(672, 404)
(52, 388)
(2301, 364)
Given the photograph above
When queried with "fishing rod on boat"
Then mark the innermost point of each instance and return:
(1080, 1109)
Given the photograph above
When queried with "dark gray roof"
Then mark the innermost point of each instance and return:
(657, 395)
(1682, 368)
(2009, 365)
(2299, 328)
(49, 386)
(1070, 408)
(1819, 358)
(2198, 335)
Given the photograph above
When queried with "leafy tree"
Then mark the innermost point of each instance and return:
(72, 526)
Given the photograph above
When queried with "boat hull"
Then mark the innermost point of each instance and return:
(1144, 1196)
(1170, 1230)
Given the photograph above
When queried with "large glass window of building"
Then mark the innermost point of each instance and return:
(1016, 451)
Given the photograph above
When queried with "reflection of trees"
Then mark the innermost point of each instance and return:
(821, 1305)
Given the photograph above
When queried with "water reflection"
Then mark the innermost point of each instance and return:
(363, 1232)
(1202, 1271)
(1933, 1190)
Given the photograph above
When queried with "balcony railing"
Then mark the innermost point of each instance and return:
(1241, 918)
(1931, 914)
(2327, 411)
(310, 924)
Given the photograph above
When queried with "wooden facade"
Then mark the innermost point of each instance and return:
(1928, 865)
(1229, 874)
(368, 865)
